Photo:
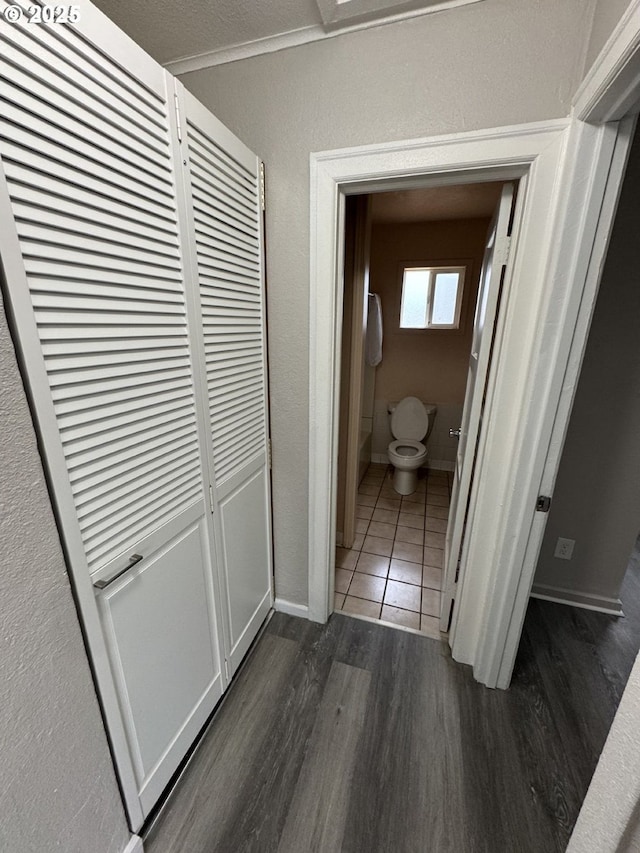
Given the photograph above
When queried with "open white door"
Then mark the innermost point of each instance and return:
(491, 277)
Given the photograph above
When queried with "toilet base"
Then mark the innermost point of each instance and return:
(405, 482)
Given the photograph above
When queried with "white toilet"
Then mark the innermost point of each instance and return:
(411, 422)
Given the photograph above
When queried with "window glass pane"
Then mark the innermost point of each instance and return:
(413, 310)
(444, 298)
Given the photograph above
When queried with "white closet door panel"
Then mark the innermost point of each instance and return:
(131, 486)
(105, 139)
(91, 486)
(83, 71)
(97, 298)
(155, 616)
(66, 249)
(98, 547)
(89, 459)
(224, 187)
(102, 229)
(75, 156)
(167, 376)
(227, 238)
(129, 509)
(88, 191)
(35, 194)
(111, 363)
(105, 185)
(225, 255)
(89, 242)
(245, 527)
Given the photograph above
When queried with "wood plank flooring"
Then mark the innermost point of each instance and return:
(354, 737)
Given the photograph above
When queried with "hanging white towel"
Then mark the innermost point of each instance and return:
(373, 348)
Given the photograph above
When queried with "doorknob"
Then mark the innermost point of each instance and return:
(455, 433)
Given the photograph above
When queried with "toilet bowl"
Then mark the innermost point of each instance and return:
(411, 421)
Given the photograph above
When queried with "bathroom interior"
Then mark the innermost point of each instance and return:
(391, 524)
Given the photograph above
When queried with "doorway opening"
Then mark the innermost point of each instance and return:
(550, 266)
(393, 545)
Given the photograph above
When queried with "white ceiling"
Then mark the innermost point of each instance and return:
(200, 33)
(466, 201)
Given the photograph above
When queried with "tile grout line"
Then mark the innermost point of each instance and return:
(383, 482)
(393, 542)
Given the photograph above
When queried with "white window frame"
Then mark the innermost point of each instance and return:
(433, 269)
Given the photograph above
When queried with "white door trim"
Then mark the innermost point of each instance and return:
(485, 155)
(584, 181)
(540, 315)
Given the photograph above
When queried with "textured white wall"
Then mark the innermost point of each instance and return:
(494, 63)
(57, 785)
(596, 499)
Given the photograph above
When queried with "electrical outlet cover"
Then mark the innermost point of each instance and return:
(564, 548)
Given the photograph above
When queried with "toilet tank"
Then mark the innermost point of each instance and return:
(430, 408)
(432, 411)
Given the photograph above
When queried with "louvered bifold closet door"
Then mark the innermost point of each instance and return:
(224, 184)
(87, 155)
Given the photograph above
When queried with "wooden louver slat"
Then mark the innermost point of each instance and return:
(226, 210)
(97, 227)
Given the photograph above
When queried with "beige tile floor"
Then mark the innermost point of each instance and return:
(393, 572)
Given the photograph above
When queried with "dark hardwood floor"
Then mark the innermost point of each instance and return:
(361, 738)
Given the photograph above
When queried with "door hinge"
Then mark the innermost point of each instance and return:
(263, 201)
(226, 669)
(269, 457)
(178, 124)
(543, 503)
(211, 503)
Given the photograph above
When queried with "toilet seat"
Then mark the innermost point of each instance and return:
(407, 447)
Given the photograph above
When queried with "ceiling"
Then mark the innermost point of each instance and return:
(208, 32)
(465, 201)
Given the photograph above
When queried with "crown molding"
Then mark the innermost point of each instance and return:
(295, 38)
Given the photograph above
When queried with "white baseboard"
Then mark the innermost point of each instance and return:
(441, 465)
(134, 845)
(291, 609)
(600, 603)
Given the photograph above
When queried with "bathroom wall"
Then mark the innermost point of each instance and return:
(430, 364)
(596, 499)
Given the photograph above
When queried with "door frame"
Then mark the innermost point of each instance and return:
(567, 163)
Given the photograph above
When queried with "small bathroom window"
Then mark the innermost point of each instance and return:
(431, 297)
